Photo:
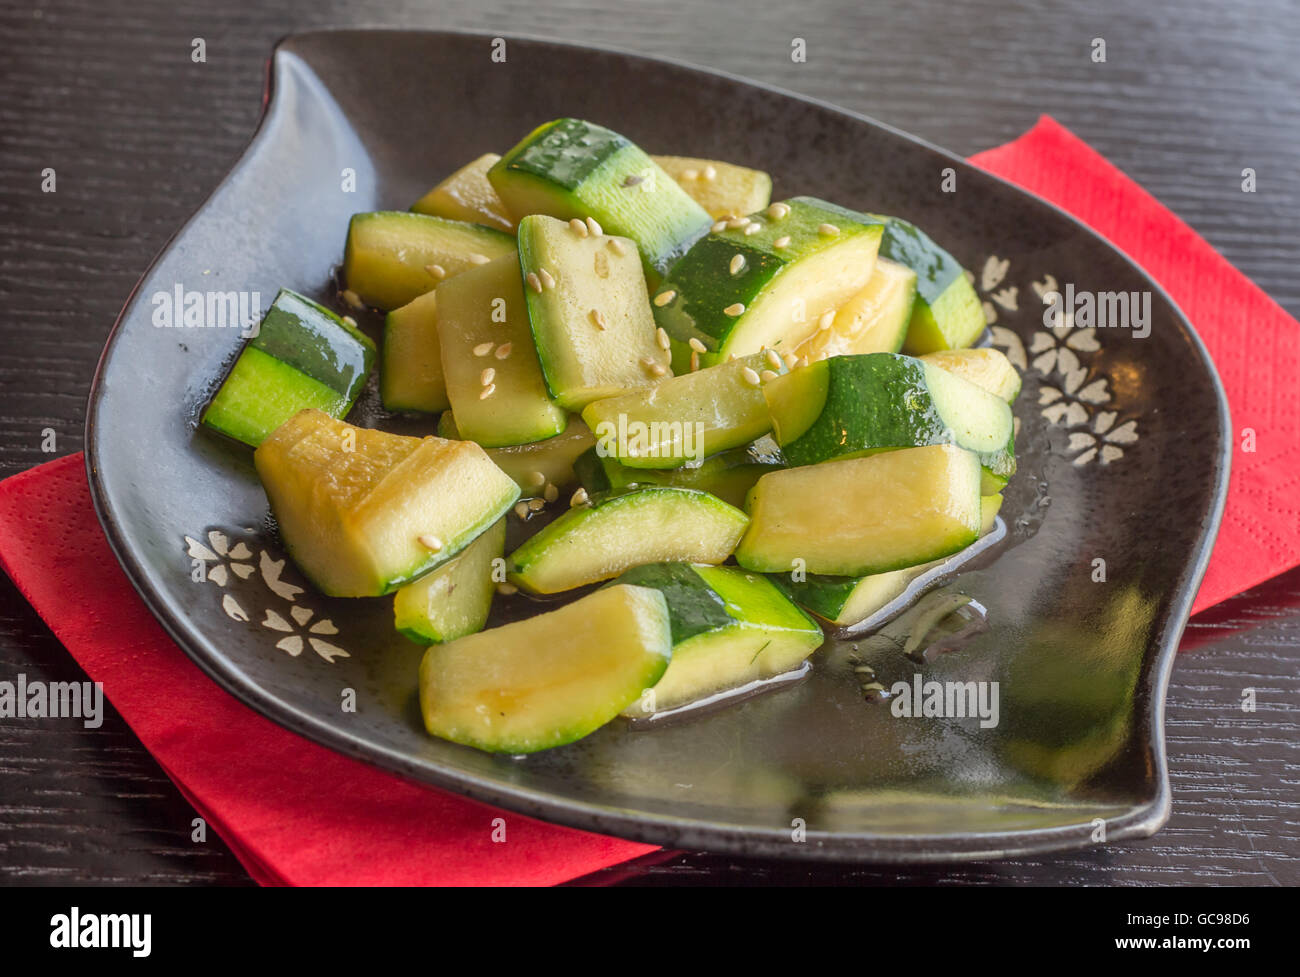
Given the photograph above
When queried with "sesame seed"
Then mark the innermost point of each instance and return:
(436, 271)
(653, 368)
(482, 349)
(695, 360)
(767, 375)
(505, 588)
(548, 280)
(536, 479)
(826, 319)
(752, 229)
(487, 376)
(731, 357)
(521, 510)
(479, 259)
(594, 227)
(431, 543)
(690, 174)
(718, 227)
(353, 299)
(827, 230)
(710, 172)
(598, 318)
(773, 359)
(778, 210)
(579, 497)
(782, 242)
(790, 360)
(350, 321)
(534, 282)
(551, 493)
(536, 505)
(736, 222)
(616, 246)
(662, 336)
(663, 298)
(803, 361)
(579, 228)
(737, 263)
(735, 309)
(503, 351)
(750, 376)
(487, 391)
(698, 346)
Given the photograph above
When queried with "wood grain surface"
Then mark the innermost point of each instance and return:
(138, 134)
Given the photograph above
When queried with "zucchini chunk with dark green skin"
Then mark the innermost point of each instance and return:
(363, 512)
(571, 169)
(729, 474)
(858, 516)
(854, 405)
(620, 530)
(452, 600)
(589, 312)
(768, 282)
(948, 313)
(730, 628)
(303, 356)
(548, 680)
(394, 256)
(686, 418)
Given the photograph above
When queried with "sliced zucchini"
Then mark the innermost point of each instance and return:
(534, 466)
(550, 679)
(729, 474)
(410, 375)
(497, 400)
(736, 292)
(611, 533)
(303, 356)
(866, 515)
(395, 256)
(363, 512)
(729, 628)
(845, 601)
(947, 314)
(569, 168)
(685, 418)
(854, 405)
(722, 189)
(454, 599)
(589, 312)
(873, 321)
(985, 367)
(467, 195)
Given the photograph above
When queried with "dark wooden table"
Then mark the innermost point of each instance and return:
(138, 134)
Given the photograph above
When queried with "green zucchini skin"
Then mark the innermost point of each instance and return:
(571, 168)
(854, 405)
(304, 355)
(947, 313)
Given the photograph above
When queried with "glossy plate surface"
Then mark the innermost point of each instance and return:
(1123, 453)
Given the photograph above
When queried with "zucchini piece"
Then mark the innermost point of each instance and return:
(729, 628)
(891, 510)
(410, 375)
(615, 532)
(303, 356)
(364, 512)
(454, 599)
(533, 466)
(550, 679)
(846, 601)
(570, 168)
(873, 321)
(854, 405)
(686, 418)
(729, 474)
(948, 313)
(722, 189)
(394, 256)
(807, 259)
(985, 367)
(479, 312)
(589, 312)
(467, 195)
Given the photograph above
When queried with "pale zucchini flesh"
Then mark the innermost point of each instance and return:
(452, 600)
(873, 321)
(722, 189)
(410, 374)
(985, 367)
(467, 195)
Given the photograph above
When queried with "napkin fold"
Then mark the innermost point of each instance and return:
(300, 814)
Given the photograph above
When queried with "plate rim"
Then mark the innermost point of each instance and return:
(1139, 821)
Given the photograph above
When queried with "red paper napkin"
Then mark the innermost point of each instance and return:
(297, 813)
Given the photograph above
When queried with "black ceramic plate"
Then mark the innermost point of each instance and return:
(1123, 452)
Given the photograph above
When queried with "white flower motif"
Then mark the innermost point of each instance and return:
(294, 643)
(995, 269)
(1103, 441)
(232, 608)
(271, 570)
(1010, 342)
(226, 558)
